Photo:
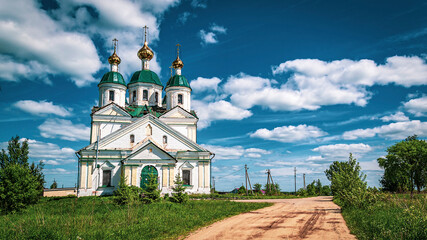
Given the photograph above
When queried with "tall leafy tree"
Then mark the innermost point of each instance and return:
(20, 183)
(347, 182)
(405, 166)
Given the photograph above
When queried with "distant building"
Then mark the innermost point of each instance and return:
(148, 134)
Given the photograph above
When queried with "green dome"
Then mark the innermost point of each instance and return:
(178, 81)
(112, 77)
(145, 76)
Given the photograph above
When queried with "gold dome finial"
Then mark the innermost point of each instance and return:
(177, 63)
(114, 58)
(145, 53)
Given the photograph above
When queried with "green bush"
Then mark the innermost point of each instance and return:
(18, 188)
(178, 195)
(151, 193)
(127, 194)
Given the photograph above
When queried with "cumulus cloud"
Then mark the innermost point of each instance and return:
(205, 84)
(64, 129)
(183, 17)
(218, 110)
(211, 36)
(42, 107)
(341, 151)
(370, 166)
(199, 3)
(290, 133)
(417, 106)
(397, 117)
(64, 46)
(398, 130)
(235, 152)
(58, 51)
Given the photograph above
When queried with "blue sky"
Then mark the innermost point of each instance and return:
(276, 84)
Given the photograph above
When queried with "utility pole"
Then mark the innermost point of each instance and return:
(246, 178)
(213, 179)
(295, 177)
(268, 180)
(303, 176)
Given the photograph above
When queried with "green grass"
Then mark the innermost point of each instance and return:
(398, 218)
(233, 196)
(100, 218)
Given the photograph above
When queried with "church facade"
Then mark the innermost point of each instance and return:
(149, 133)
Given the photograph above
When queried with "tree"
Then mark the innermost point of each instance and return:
(242, 190)
(20, 183)
(150, 192)
(126, 194)
(347, 182)
(54, 185)
(178, 195)
(257, 187)
(405, 166)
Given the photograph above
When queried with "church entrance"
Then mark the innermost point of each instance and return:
(146, 173)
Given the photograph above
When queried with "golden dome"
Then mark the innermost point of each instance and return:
(177, 63)
(114, 59)
(145, 53)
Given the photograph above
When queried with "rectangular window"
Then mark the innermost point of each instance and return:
(180, 99)
(134, 96)
(111, 95)
(106, 178)
(145, 95)
(186, 177)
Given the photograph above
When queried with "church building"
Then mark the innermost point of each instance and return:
(149, 133)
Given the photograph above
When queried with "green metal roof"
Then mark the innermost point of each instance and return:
(145, 76)
(112, 77)
(139, 111)
(178, 81)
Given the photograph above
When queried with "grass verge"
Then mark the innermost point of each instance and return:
(397, 218)
(100, 218)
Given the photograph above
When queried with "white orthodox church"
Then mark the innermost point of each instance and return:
(150, 133)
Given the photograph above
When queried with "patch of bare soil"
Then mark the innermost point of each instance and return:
(305, 218)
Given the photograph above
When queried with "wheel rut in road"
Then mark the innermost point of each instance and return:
(304, 218)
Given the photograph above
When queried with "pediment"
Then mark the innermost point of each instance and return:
(112, 109)
(149, 151)
(177, 112)
(187, 165)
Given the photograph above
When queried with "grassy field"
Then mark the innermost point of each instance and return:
(100, 218)
(231, 196)
(398, 218)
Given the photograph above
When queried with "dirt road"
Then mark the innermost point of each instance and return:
(307, 218)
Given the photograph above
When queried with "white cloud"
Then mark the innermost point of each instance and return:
(211, 37)
(64, 129)
(290, 133)
(183, 17)
(220, 110)
(235, 152)
(342, 151)
(370, 166)
(397, 117)
(399, 130)
(42, 107)
(205, 84)
(315, 158)
(417, 106)
(52, 47)
(58, 171)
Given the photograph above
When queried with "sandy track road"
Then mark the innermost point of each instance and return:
(306, 218)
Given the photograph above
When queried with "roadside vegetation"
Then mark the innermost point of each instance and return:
(380, 214)
(102, 218)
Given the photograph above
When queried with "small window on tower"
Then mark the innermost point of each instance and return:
(132, 138)
(180, 99)
(156, 97)
(134, 96)
(111, 95)
(145, 95)
(165, 139)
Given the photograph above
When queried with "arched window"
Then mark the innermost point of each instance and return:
(145, 95)
(111, 95)
(156, 97)
(148, 130)
(134, 96)
(180, 99)
(165, 139)
(132, 138)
